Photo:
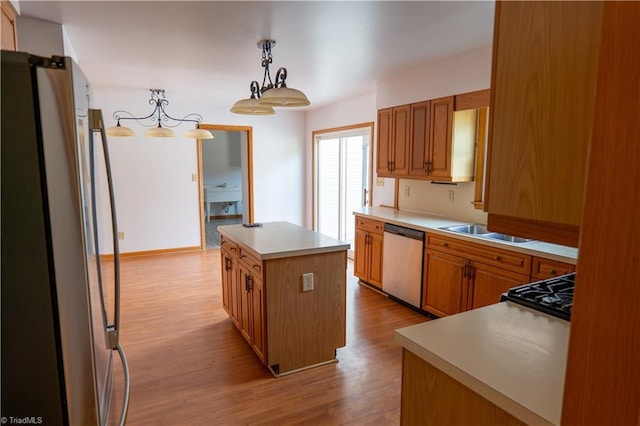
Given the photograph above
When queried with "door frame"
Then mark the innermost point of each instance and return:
(247, 205)
(370, 125)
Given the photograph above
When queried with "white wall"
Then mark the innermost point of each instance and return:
(157, 201)
(354, 111)
(461, 73)
(39, 37)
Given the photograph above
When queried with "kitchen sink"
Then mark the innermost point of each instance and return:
(483, 232)
(468, 229)
(507, 238)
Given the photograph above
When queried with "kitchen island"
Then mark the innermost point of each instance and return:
(501, 364)
(284, 288)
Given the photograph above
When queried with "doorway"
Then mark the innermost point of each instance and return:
(342, 178)
(225, 183)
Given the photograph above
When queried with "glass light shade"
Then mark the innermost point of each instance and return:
(159, 132)
(284, 97)
(199, 133)
(251, 106)
(119, 131)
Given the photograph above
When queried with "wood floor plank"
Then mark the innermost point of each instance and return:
(189, 365)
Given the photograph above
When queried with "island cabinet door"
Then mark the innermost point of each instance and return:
(259, 335)
(245, 303)
(445, 283)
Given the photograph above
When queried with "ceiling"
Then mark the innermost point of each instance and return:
(333, 50)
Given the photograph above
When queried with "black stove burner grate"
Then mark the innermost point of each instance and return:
(553, 296)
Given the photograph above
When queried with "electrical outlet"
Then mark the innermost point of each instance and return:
(307, 281)
(451, 195)
(194, 177)
(121, 235)
(379, 181)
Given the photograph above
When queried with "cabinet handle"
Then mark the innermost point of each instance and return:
(445, 244)
(392, 165)
(497, 257)
(249, 283)
(552, 271)
(256, 266)
(227, 263)
(426, 167)
(246, 282)
(388, 166)
(242, 256)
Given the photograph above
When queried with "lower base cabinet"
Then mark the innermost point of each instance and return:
(430, 397)
(287, 328)
(459, 276)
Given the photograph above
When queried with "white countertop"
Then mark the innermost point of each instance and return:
(275, 240)
(511, 355)
(432, 223)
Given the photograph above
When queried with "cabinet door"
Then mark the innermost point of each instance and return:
(441, 137)
(445, 286)
(545, 268)
(489, 282)
(227, 281)
(543, 82)
(360, 255)
(400, 143)
(420, 137)
(375, 247)
(384, 142)
(259, 335)
(245, 303)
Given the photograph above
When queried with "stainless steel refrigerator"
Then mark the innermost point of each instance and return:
(60, 266)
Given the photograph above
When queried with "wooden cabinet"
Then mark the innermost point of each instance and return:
(252, 325)
(445, 284)
(288, 328)
(459, 275)
(545, 268)
(8, 27)
(431, 397)
(543, 81)
(367, 264)
(230, 284)
(489, 282)
(427, 140)
(243, 293)
(393, 141)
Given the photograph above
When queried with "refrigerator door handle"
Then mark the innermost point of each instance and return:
(96, 124)
(125, 402)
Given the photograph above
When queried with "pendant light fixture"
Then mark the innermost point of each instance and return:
(264, 98)
(161, 122)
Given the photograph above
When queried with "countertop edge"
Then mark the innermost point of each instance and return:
(280, 254)
(520, 248)
(302, 252)
(504, 402)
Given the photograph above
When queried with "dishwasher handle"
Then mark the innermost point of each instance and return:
(404, 232)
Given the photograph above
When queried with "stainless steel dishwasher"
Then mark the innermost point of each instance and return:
(402, 263)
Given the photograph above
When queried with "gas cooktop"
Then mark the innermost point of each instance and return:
(553, 296)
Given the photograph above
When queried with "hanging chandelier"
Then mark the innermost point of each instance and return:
(264, 98)
(161, 122)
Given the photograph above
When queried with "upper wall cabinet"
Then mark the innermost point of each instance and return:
(543, 80)
(393, 141)
(427, 140)
(9, 38)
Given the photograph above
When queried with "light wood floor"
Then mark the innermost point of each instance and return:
(190, 366)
